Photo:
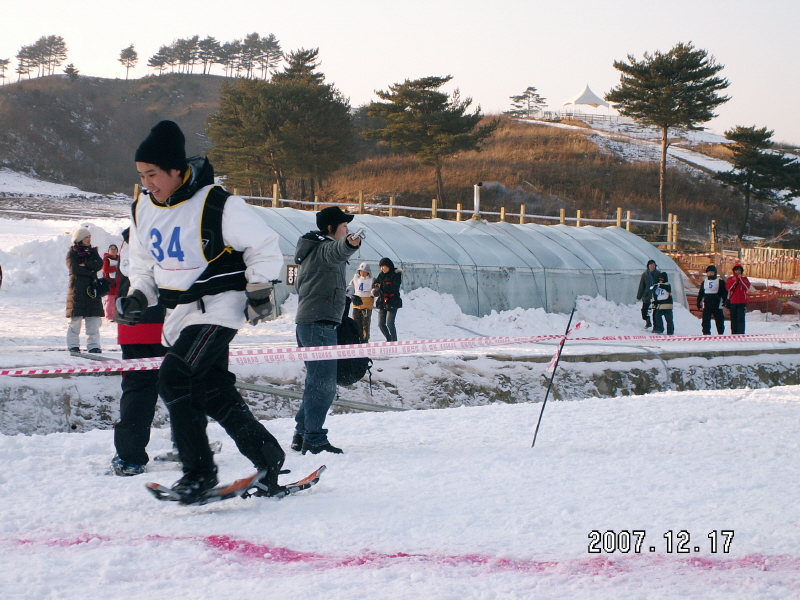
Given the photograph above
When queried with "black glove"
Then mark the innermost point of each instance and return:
(259, 302)
(357, 301)
(129, 309)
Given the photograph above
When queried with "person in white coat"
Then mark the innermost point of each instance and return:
(362, 299)
(212, 262)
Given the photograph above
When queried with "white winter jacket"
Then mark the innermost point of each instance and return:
(244, 231)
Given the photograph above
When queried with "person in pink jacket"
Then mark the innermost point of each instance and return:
(737, 286)
(110, 263)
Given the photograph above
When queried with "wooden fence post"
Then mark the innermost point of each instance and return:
(669, 228)
(275, 195)
(137, 189)
(316, 203)
(391, 206)
(562, 216)
(433, 208)
(361, 202)
(458, 211)
(522, 214)
(578, 218)
(619, 216)
(675, 232)
(628, 220)
(502, 214)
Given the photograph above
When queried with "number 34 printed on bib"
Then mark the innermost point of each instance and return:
(173, 249)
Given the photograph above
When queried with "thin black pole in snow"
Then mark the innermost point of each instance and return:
(555, 368)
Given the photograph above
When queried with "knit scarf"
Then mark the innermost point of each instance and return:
(81, 250)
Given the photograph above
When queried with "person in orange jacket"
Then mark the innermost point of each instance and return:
(737, 286)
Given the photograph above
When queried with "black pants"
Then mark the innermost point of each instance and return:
(646, 312)
(717, 315)
(195, 383)
(737, 318)
(137, 406)
(659, 317)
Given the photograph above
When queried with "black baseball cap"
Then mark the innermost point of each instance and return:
(333, 215)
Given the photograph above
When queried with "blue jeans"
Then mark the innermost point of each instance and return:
(386, 324)
(320, 387)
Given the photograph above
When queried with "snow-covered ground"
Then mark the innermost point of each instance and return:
(439, 504)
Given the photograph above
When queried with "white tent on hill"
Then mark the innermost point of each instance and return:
(588, 97)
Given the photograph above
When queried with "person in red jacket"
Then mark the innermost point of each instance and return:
(737, 286)
(137, 406)
(110, 262)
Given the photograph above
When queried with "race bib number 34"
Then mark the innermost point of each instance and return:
(173, 244)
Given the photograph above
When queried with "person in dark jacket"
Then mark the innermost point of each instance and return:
(386, 290)
(648, 279)
(322, 299)
(137, 406)
(83, 305)
(661, 293)
(712, 297)
(737, 285)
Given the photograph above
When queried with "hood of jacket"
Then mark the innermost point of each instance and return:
(201, 174)
(306, 244)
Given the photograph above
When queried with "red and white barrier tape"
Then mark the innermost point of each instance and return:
(383, 349)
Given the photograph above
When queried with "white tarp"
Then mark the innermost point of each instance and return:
(587, 97)
(494, 266)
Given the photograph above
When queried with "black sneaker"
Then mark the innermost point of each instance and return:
(75, 349)
(123, 468)
(326, 447)
(95, 351)
(297, 442)
(191, 487)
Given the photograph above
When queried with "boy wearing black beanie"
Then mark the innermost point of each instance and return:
(212, 262)
(710, 299)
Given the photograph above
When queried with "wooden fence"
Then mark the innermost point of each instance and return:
(460, 213)
(775, 264)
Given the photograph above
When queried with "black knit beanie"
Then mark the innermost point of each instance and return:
(164, 147)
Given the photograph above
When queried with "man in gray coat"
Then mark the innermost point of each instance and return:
(648, 280)
(321, 283)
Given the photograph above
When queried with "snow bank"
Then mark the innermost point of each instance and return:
(38, 267)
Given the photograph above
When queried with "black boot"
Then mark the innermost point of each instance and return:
(297, 442)
(326, 447)
(192, 486)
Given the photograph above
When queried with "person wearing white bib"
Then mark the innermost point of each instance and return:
(710, 299)
(212, 262)
(662, 303)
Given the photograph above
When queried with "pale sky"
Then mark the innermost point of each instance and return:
(493, 49)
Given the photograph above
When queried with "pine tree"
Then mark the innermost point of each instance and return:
(293, 127)
(301, 65)
(207, 51)
(271, 53)
(428, 123)
(758, 172)
(677, 89)
(527, 104)
(161, 59)
(3, 66)
(72, 72)
(26, 62)
(129, 58)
